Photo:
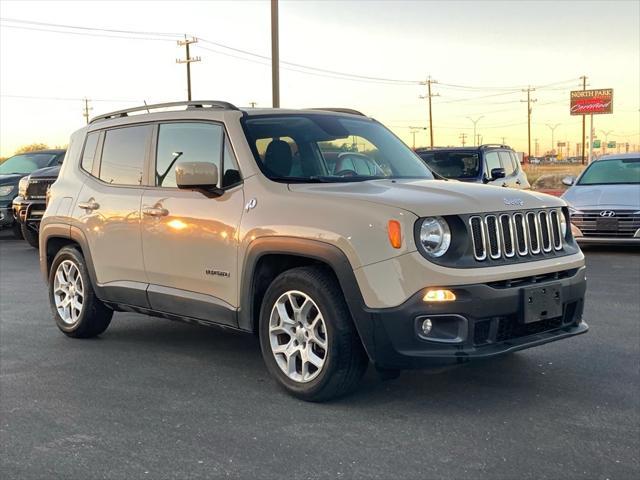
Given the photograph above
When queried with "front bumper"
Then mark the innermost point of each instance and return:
(487, 319)
(6, 216)
(29, 212)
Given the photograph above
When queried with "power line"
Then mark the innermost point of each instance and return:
(87, 34)
(32, 97)
(31, 22)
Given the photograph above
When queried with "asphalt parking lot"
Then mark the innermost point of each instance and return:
(158, 399)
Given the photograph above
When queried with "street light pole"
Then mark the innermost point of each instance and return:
(553, 129)
(475, 123)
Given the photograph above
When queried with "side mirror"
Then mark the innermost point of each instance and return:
(497, 173)
(569, 180)
(200, 176)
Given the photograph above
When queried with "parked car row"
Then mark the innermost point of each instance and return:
(24, 180)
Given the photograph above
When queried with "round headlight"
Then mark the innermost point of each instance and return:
(435, 236)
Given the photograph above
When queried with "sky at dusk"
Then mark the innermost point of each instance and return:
(481, 53)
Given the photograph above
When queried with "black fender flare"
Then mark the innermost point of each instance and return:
(316, 250)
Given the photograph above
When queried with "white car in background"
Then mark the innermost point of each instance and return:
(604, 201)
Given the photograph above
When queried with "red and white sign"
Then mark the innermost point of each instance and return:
(592, 102)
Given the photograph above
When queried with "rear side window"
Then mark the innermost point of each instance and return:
(123, 155)
(186, 142)
(507, 163)
(89, 152)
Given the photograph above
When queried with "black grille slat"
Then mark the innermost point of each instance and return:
(493, 237)
(521, 233)
(545, 234)
(532, 231)
(477, 233)
(555, 229)
(507, 235)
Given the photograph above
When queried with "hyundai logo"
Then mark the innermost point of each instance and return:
(607, 213)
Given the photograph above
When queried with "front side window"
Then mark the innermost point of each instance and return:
(26, 163)
(456, 165)
(507, 163)
(186, 142)
(493, 161)
(329, 148)
(614, 171)
(123, 155)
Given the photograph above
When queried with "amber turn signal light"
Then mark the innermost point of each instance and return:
(395, 233)
(439, 296)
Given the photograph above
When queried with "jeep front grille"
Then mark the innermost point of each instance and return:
(521, 233)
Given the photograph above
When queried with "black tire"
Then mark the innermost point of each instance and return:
(17, 231)
(346, 360)
(95, 316)
(30, 235)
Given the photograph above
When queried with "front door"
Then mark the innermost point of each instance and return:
(190, 241)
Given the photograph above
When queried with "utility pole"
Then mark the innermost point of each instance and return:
(529, 101)
(584, 87)
(429, 96)
(188, 60)
(553, 129)
(475, 123)
(479, 138)
(253, 104)
(275, 56)
(537, 147)
(87, 108)
(463, 138)
(503, 141)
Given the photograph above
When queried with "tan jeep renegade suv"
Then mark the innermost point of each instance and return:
(318, 230)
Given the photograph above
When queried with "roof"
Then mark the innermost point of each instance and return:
(53, 151)
(618, 156)
(217, 105)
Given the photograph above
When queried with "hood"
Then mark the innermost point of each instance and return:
(599, 196)
(433, 197)
(11, 178)
(48, 172)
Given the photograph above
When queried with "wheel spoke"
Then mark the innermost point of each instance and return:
(315, 360)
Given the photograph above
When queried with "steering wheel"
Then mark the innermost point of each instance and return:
(340, 170)
(346, 172)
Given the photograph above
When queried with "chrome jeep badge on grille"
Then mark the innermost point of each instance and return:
(513, 202)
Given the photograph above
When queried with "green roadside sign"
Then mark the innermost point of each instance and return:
(596, 144)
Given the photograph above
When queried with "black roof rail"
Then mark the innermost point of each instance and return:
(341, 110)
(494, 145)
(194, 104)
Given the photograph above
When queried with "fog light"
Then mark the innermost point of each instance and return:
(426, 326)
(439, 296)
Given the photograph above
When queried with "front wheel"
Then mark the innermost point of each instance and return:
(308, 340)
(78, 311)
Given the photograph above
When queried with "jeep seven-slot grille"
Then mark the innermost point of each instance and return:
(522, 233)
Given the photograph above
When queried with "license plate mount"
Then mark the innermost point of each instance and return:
(607, 224)
(541, 302)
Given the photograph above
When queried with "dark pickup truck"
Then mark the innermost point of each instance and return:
(29, 205)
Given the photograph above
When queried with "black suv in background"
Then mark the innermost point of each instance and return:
(15, 168)
(30, 204)
(492, 164)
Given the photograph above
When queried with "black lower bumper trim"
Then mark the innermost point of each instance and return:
(491, 323)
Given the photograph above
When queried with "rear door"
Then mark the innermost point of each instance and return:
(108, 209)
(190, 241)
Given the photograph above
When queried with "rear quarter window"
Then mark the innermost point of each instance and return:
(123, 155)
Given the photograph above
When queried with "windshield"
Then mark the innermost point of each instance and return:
(26, 163)
(456, 165)
(328, 148)
(611, 172)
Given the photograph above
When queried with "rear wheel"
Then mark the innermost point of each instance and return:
(30, 235)
(308, 339)
(78, 311)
